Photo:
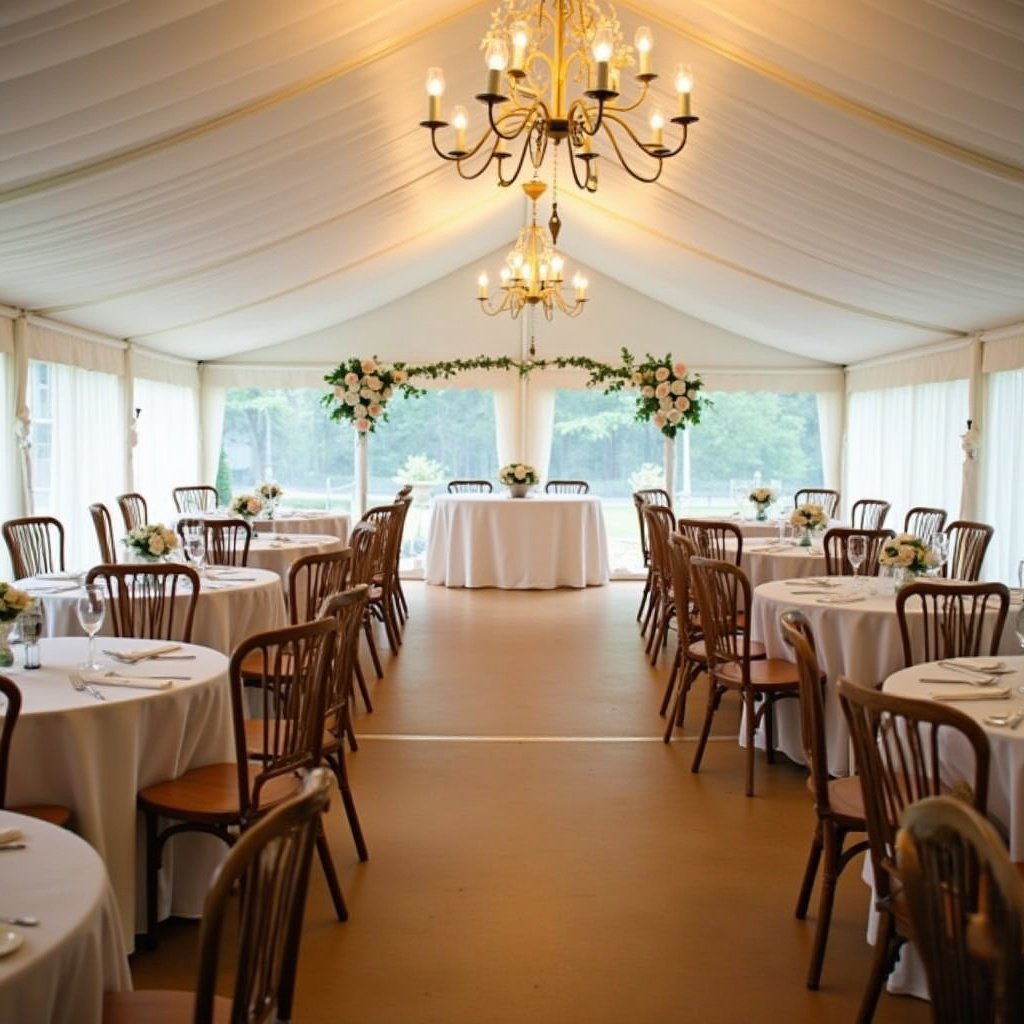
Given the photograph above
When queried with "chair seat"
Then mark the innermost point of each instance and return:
(210, 794)
(55, 814)
(252, 665)
(846, 799)
(158, 1007)
(765, 674)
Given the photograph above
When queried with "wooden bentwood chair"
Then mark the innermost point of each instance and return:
(966, 905)
(227, 540)
(228, 798)
(714, 538)
(896, 744)
(925, 522)
(151, 602)
(104, 532)
(134, 510)
(641, 499)
(723, 600)
(470, 487)
(838, 804)
(661, 604)
(268, 869)
(567, 487)
(869, 513)
(196, 498)
(968, 543)
(35, 544)
(827, 499)
(836, 544)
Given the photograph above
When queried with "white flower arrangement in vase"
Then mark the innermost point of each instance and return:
(907, 555)
(519, 477)
(152, 543)
(12, 603)
(270, 494)
(762, 497)
(808, 517)
(248, 506)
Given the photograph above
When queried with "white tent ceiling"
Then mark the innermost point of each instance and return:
(209, 178)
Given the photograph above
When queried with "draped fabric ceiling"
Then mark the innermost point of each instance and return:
(208, 178)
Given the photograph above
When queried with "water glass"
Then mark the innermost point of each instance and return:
(91, 611)
(940, 545)
(195, 547)
(31, 629)
(857, 552)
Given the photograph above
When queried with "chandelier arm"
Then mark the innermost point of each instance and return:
(585, 183)
(645, 88)
(627, 167)
(526, 114)
(682, 142)
(502, 180)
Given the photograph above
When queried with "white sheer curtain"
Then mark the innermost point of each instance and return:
(1002, 460)
(10, 505)
(87, 463)
(167, 449)
(903, 445)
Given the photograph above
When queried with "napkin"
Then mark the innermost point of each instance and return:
(76, 576)
(978, 664)
(133, 684)
(837, 599)
(971, 693)
(142, 653)
(11, 835)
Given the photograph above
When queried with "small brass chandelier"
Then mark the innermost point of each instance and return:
(543, 48)
(532, 275)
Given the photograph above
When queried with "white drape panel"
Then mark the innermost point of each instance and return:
(1002, 460)
(212, 399)
(507, 421)
(87, 414)
(903, 445)
(831, 408)
(167, 452)
(10, 505)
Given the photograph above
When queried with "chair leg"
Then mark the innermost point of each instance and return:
(333, 885)
(748, 703)
(826, 900)
(886, 946)
(152, 878)
(361, 683)
(673, 675)
(644, 596)
(652, 605)
(337, 764)
(372, 644)
(714, 699)
(693, 670)
(810, 873)
(769, 729)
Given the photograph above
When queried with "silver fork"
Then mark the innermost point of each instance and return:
(80, 684)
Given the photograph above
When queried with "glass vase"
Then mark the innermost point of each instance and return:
(805, 539)
(762, 513)
(6, 653)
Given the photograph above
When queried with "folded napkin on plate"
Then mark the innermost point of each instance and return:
(837, 599)
(142, 653)
(971, 693)
(11, 835)
(50, 588)
(982, 665)
(133, 683)
(76, 576)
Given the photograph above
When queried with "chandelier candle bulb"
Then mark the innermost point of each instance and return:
(657, 130)
(684, 86)
(460, 119)
(482, 286)
(435, 90)
(644, 42)
(520, 40)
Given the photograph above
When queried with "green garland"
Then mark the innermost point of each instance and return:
(666, 393)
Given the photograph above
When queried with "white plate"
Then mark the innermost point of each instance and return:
(10, 941)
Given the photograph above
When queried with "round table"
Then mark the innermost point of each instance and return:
(64, 964)
(94, 756)
(275, 552)
(290, 521)
(767, 560)
(539, 542)
(858, 638)
(228, 610)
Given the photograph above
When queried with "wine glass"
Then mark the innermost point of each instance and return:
(91, 612)
(857, 552)
(1020, 574)
(940, 545)
(195, 547)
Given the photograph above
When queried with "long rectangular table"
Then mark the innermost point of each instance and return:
(540, 542)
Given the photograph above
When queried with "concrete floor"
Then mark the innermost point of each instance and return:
(537, 854)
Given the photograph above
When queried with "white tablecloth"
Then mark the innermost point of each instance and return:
(333, 524)
(94, 756)
(860, 640)
(540, 542)
(226, 613)
(765, 561)
(748, 527)
(276, 552)
(76, 952)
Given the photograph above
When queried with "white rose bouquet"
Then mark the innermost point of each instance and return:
(153, 541)
(908, 551)
(248, 506)
(269, 491)
(762, 496)
(518, 473)
(361, 390)
(667, 393)
(809, 516)
(13, 602)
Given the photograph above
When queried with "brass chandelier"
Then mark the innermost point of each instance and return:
(532, 275)
(536, 51)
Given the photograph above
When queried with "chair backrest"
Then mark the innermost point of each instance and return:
(104, 532)
(197, 498)
(680, 551)
(966, 905)
(869, 513)
(35, 544)
(968, 543)
(896, 746)
(314, 578)
(796, 631)
(269, 866)
(227, 540)
(389, 520)
(347, 609)
(286, 673)
(152, 602)
(923, 522)
(660, 523)
(403, 492)
(827, 499)
(714, 538)
(470, 487)
(643, 497)
(836, 544)
(951, 620)
(10, 692)
(364, 540)
(723, 600)
(134, 510)
(567, 487)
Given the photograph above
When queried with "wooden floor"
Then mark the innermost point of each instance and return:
(537, 854)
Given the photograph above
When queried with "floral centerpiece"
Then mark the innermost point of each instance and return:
(269, 493)
(519, 477)
(152, 542)
(248, 506)
(808, 517)
(908, 556)
(362, 388)
(762, 497)
(669, 396)
(12, 603)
